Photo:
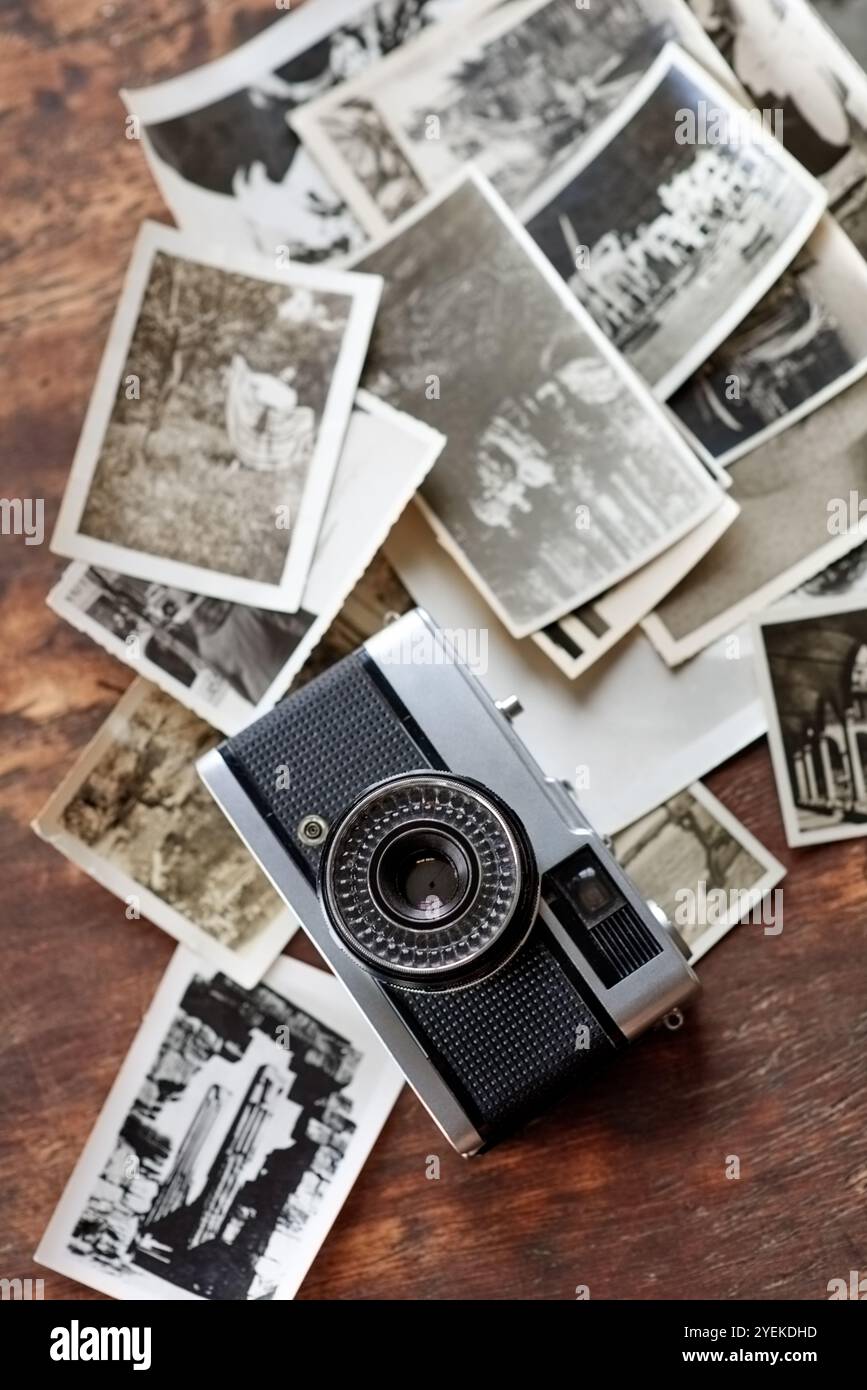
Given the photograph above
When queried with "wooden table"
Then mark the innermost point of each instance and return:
(624, 1188)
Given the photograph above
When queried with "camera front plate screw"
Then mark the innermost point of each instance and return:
(312, 830)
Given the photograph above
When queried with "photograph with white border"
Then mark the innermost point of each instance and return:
(217, 419)
(133, 814)
(561, 475)
(514, 88)
(630, 711)
(703, 867)
(231, 1138)
(674, 219)
(800, 511)
(576, 642)
(225, 661)
(219, 144)
(803, 344)
(811, 663)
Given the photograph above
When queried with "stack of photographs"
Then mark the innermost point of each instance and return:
(229, 662)
(514, 86)
(549, 317)
(561, 476)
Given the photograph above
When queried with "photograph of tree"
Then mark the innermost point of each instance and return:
(215, 420)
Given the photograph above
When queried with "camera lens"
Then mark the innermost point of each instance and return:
(430, 879)
(424, 876)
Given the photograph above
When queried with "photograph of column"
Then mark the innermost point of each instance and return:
(812, 666)
(230, 1140)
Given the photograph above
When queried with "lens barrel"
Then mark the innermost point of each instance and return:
(429, 880)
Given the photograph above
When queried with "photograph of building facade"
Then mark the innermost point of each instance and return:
(818, 674)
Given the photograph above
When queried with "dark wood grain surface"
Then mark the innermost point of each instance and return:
(623, 1188)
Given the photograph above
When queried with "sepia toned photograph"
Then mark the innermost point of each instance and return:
(811, 660)
(790, 527)
(561, 475)
(791, 63)
(577, 641)
(133, 814)
(228, 662)
(216, 423)
(701, 865)
(513, 88)
(219, 143)
(801, 345)
(674, 220)
(230, 1140)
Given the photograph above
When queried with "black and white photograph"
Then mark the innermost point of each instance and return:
(514, 88)
(228, 662)
(231, 1138)
(561, 475)
(217, 420)
(134, 815)
(630, 711)
(801, 345)
(674, 220)
(811, 660)
(795, 520)
(219, 143)
(702, 866)
(577, 641)
(793, 66)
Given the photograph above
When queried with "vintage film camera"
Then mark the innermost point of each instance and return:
(484, 928)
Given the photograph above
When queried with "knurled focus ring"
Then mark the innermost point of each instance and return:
(479, 826)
